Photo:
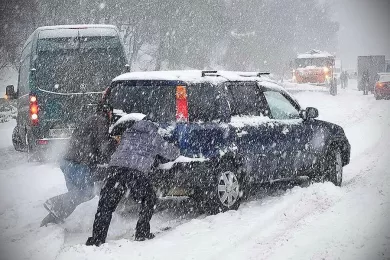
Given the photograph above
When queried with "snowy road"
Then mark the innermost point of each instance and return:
(318, 222)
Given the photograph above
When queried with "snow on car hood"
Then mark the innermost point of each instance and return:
(242, 121)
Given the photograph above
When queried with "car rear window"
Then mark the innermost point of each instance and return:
(207, 102)
(384, 78)
(153, 98)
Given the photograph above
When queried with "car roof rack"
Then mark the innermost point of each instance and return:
(252, 74)
(210, 73)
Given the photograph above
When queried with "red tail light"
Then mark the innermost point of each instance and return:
(34, 109)
(42, 142)
(106, 92)
(379, 84)
(181, 104)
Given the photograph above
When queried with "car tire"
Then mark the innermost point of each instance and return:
(333, 167)
(377, 96)
(225, 191)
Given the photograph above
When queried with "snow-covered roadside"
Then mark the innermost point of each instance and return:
(318, 222)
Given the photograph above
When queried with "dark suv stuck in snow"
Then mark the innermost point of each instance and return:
(235, 130)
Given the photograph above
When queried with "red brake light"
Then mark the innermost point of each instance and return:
(42, 142)
(106, 92)
(181, 104)
(379, 84)
(34, 108)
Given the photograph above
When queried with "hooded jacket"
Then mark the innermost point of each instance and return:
(139, 147)
(91, 143)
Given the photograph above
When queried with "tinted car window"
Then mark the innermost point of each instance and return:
(280, 106)
(245, 100)
(207, 102)
(150, 98)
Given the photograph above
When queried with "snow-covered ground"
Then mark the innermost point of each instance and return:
(318, 222)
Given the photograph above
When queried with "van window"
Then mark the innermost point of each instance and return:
(153, 98)
(71, 65)
(24, 70)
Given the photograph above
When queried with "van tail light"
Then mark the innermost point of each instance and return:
(379, 84)
(106, 92)
(181, 104)
(42, 142)
(34, 108)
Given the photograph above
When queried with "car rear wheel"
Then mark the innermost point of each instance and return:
(225, 190)
(377, 96)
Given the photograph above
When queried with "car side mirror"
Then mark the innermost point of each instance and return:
(309, 112)
(10, 92)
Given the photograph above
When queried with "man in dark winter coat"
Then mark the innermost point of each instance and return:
(89, 146)
(365, 81)
(129, 166)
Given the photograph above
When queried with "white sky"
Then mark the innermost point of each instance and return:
(364, 29)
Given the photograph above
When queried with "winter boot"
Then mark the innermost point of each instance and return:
(91, 241)
(50, 219)
(142, 231)
(144, 237)
(48, 207)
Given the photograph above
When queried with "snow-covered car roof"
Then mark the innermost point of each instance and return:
(314, 54)
(384, 77)
(76, 26)
(198, 76)
(84, 30)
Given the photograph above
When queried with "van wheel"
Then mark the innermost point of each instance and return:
(32, 155)
(16, 140)
(226, 189)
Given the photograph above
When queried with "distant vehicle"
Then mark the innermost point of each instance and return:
(373, 64)
(63, 72)
(235, 130)
(382, 86)
(315, 67)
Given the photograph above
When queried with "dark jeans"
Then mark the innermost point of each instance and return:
(120, 181)
(80, 189)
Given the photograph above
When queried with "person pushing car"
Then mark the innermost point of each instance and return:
(89, 145)
(128, 170)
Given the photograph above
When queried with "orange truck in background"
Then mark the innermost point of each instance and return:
(314, 67)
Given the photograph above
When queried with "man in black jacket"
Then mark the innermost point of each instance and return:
(128, 171)
(89, 146)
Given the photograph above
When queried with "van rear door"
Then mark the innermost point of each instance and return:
(73, 67)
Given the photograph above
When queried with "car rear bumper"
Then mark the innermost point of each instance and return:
(186, 175)
(383, 91)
